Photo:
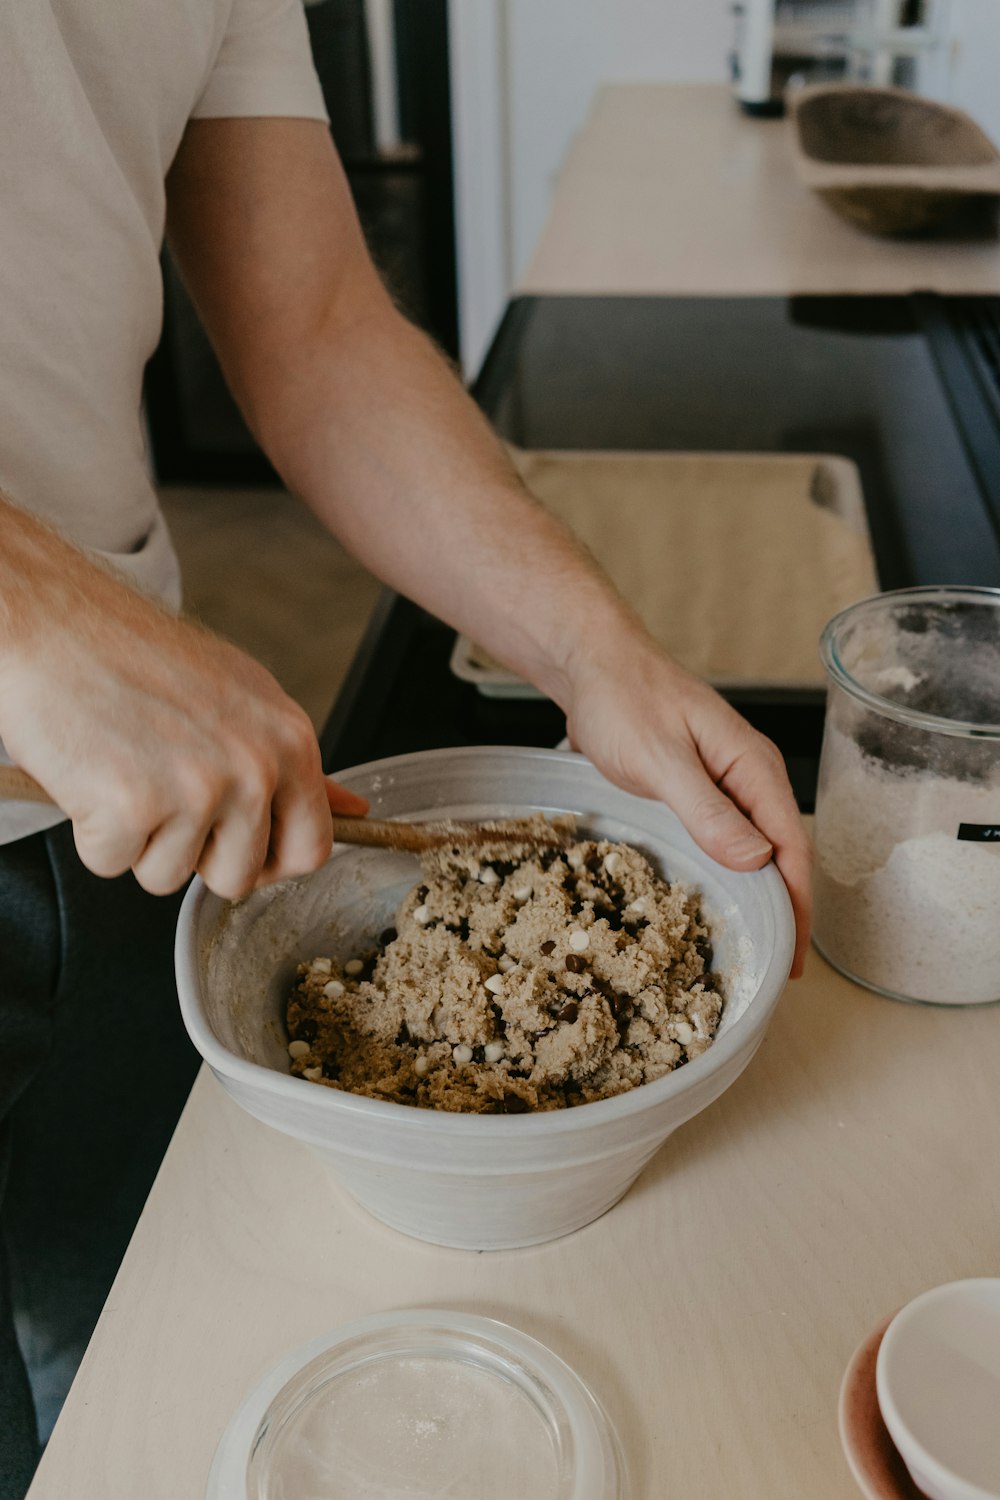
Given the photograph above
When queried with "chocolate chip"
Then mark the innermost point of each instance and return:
(306, 1030)
(402, 1035)
(513, 1104)
(422, 895)
(479, 1054)
(705, 952)
(548, 947)
(331, 1070)
(504, 867)
(576, 908)
(569, 1012)
(621, 1005)
(388, 936)
(576, 963)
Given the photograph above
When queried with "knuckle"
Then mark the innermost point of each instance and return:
(257, 775)
(297, 733)
(199, 789)
(771, 751)
(308, 851)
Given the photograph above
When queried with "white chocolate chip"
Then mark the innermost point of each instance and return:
(683, 1033)
(639, 905)
(489, 876)
(313, 1074)
(493, 1052)
(298, 1049)
(522, 893)
(320, 966)
(422, 915)
(495, 984)
(333, 988)
(353, 966)
(575, 859)
(421, 1065)
(612, 862)
(578, 940)
(462, 1054)
(507, 963)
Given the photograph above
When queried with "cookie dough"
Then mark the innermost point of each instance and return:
(515, 979)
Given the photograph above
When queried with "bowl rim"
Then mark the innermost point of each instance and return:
(597, 1113)
(909, 1444)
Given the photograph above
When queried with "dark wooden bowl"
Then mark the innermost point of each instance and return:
(889, 161)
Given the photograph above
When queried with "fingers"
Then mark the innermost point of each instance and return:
(240, 821)
(758, 782)
(710, 817)
(301, 832)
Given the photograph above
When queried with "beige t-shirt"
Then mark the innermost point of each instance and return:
(94, 98)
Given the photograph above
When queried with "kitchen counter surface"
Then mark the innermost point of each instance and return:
(713, 1310)
(669, 189)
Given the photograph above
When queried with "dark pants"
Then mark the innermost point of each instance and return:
(95, 1067)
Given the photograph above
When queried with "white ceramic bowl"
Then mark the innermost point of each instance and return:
(938, 1383)
(473, 1181)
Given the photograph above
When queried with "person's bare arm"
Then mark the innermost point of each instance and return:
(363, 418)
(168, 748)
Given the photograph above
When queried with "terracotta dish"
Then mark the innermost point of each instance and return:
(871, 1455)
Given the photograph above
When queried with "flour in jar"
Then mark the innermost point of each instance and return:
(901, 902)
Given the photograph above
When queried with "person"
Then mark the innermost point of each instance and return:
(165, 749)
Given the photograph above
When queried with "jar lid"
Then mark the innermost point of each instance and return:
(420, 1404)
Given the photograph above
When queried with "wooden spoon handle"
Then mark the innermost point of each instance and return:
(21, 787)
(371, 832)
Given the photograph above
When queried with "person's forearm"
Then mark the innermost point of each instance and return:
(46, 584)
(371, 428)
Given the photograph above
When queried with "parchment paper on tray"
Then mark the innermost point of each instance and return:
(734, 561)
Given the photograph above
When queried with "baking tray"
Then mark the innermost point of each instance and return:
(734, 561)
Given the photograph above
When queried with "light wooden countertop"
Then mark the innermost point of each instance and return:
(713, 1310)
(670, 189)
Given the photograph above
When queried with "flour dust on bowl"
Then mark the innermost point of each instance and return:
(908, 805)
(468, 1180)
(423, 1403)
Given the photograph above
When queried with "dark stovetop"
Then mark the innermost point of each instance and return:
(907, 387)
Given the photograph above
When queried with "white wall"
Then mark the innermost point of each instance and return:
(524, 73)
(975, 62)
(561, 51)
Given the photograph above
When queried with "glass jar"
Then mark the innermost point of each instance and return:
(907, 887)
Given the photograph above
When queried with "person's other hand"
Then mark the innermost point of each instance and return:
(170, 749)
(660, 732)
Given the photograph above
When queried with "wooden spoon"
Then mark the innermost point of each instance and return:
(372, 832)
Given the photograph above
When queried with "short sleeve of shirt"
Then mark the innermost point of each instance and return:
(264, 65)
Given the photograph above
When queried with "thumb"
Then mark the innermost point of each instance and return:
(343, 801)
(710, 817)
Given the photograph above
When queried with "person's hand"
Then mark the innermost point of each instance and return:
(660, 732)
(170, 750)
